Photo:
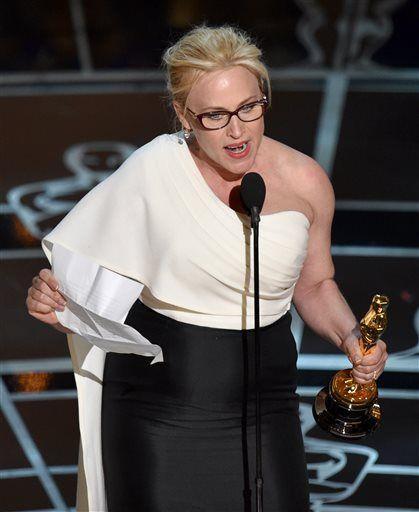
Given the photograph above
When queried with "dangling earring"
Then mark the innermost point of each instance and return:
(187, 133)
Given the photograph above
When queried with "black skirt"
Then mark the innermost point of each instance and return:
(179, 436)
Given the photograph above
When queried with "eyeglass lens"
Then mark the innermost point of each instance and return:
(220, 119)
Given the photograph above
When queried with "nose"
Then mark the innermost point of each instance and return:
(235, 127)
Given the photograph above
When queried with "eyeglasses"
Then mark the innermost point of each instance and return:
(220, 118)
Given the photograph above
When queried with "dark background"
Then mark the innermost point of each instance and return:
(81, 86)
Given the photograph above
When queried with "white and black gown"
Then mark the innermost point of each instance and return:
(179, 434)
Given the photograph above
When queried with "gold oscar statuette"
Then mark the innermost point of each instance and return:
(346, 408)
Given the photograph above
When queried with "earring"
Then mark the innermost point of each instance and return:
(187, 133)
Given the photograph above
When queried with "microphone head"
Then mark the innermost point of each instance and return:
(253, 191)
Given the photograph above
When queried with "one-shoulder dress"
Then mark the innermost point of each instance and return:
(153, 264)
(179, 435)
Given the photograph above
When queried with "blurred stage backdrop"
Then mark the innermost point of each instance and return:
(82, 87)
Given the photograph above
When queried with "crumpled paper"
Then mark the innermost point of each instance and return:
(98, 302)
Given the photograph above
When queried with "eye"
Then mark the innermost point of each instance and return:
(215, 116)
(248, 108)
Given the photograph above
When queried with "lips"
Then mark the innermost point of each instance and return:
(238, 149)
(236, 145)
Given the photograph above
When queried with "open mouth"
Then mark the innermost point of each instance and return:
(237, 149)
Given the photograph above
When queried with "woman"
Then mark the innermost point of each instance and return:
(179, 435)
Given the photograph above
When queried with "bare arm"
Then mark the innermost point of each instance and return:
(317, 297)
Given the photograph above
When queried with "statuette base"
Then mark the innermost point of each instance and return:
(343, 420)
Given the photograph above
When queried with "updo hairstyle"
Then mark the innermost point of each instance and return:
(204, 49)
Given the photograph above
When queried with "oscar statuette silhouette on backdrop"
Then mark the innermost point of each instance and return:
(346, 408)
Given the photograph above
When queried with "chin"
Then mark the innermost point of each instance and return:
(239, 170)
(233, 167)
(239, 167)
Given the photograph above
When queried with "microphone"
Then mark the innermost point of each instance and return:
(253, 192)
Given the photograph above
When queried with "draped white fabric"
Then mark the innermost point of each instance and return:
(98, 301)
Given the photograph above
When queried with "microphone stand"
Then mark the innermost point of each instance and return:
(255, 219)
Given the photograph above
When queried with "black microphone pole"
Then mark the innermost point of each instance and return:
(259, 477)
(253, 195)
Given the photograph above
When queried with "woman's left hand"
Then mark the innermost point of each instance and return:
(368, 366)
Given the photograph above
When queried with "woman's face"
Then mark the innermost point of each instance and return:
(226, 89)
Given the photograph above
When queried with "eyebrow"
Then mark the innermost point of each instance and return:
(223, 108)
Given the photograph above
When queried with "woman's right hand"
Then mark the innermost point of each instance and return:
(44, 299)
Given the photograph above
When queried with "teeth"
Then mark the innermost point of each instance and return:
(237, 149)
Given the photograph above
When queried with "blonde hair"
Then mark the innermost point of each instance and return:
(204, 49)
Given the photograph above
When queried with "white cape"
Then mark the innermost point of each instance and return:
(102, 264)
(98, 301)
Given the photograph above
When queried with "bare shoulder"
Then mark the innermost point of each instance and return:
(302, 176)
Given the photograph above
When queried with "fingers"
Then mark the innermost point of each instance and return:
(369, 368)
(353, 350)
(374, 354)
(48, 317)
(38, 308)
(43, 299)
(48, 277)
(46, 285)
(364, 373)
(364, 378)
(38, 299)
